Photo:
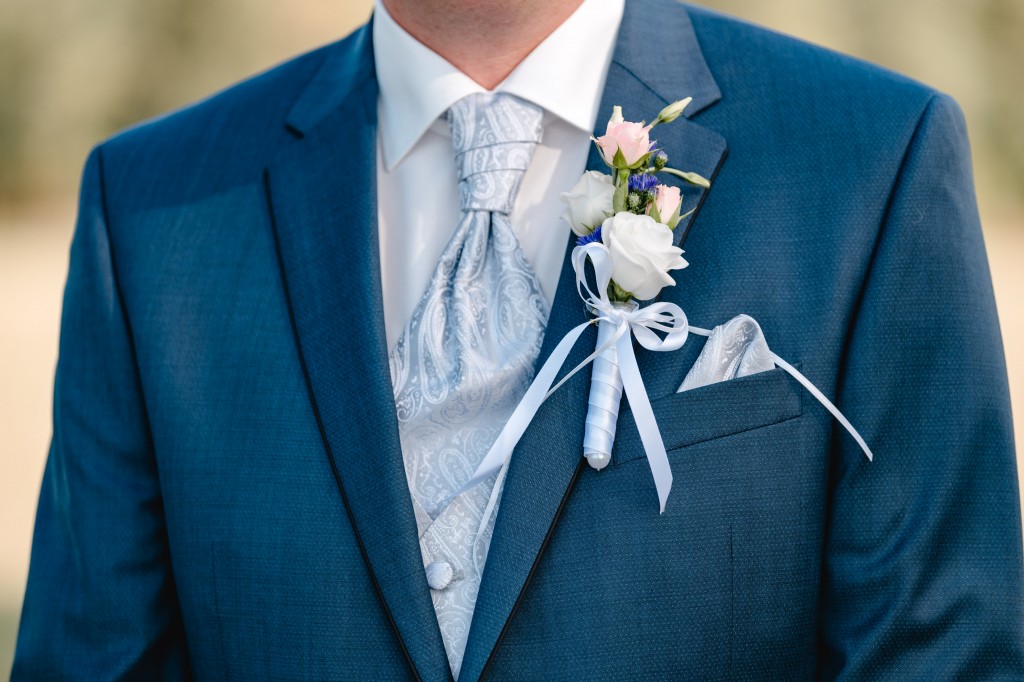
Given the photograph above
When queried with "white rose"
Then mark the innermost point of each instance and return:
(589, 202)
(642, 253)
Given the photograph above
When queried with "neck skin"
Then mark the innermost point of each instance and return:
(485, 39)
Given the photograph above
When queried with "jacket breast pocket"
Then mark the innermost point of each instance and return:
(714, 411)
(738, 537)
(739, 543)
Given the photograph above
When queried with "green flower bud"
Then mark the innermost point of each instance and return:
(673, 111)
(634, 202)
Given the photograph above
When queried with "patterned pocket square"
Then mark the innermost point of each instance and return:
(734, 349)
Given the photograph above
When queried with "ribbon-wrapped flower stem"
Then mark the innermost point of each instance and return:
(605, 394)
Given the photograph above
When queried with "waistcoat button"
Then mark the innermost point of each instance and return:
(439, 574)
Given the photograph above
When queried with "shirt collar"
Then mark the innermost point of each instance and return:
(564, 75)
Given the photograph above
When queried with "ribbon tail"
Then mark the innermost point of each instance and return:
(795, 373)
(485, 518)
(521, 417)
(650, 436)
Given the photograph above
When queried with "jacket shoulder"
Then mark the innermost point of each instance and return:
(747, 56)
(217, 142)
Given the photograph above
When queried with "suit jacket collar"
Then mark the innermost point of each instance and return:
(321, 194)
(346, 66)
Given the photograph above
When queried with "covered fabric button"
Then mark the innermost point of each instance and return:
(439, 574)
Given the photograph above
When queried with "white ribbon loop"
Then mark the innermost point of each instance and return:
(665, 317)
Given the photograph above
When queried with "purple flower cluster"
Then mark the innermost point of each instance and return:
(594, 236)
(642, 182)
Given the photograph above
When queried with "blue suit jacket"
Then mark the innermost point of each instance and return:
(225, 495)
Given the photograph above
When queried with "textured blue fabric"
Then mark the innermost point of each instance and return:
(225, 498)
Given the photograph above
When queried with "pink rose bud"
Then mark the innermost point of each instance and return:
(632, 139)
(668, 199)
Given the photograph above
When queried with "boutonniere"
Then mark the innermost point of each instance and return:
(624, 222)
(632, 188)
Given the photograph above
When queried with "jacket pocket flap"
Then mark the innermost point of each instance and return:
(713, 411)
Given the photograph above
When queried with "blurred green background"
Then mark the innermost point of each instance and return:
(74, 71)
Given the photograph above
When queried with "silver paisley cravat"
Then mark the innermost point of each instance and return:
(466, 357)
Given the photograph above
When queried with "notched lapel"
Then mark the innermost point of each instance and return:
(322, 196)
(645, 75)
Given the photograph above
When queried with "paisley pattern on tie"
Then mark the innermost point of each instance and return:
(467, 355)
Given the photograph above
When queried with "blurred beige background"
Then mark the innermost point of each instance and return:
(74, 71)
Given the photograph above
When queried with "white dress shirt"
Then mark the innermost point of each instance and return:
(417, 186)
(418, 210)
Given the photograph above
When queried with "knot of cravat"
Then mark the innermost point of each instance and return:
(494, 136)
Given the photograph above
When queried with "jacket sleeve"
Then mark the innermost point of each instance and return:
(922, 574)
(100, 601)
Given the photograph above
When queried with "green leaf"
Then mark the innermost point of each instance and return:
(621, 191)
(655, 213)
(617, 293)
(619, 160)
(673, 219)
(642, 161)
(690, 177)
